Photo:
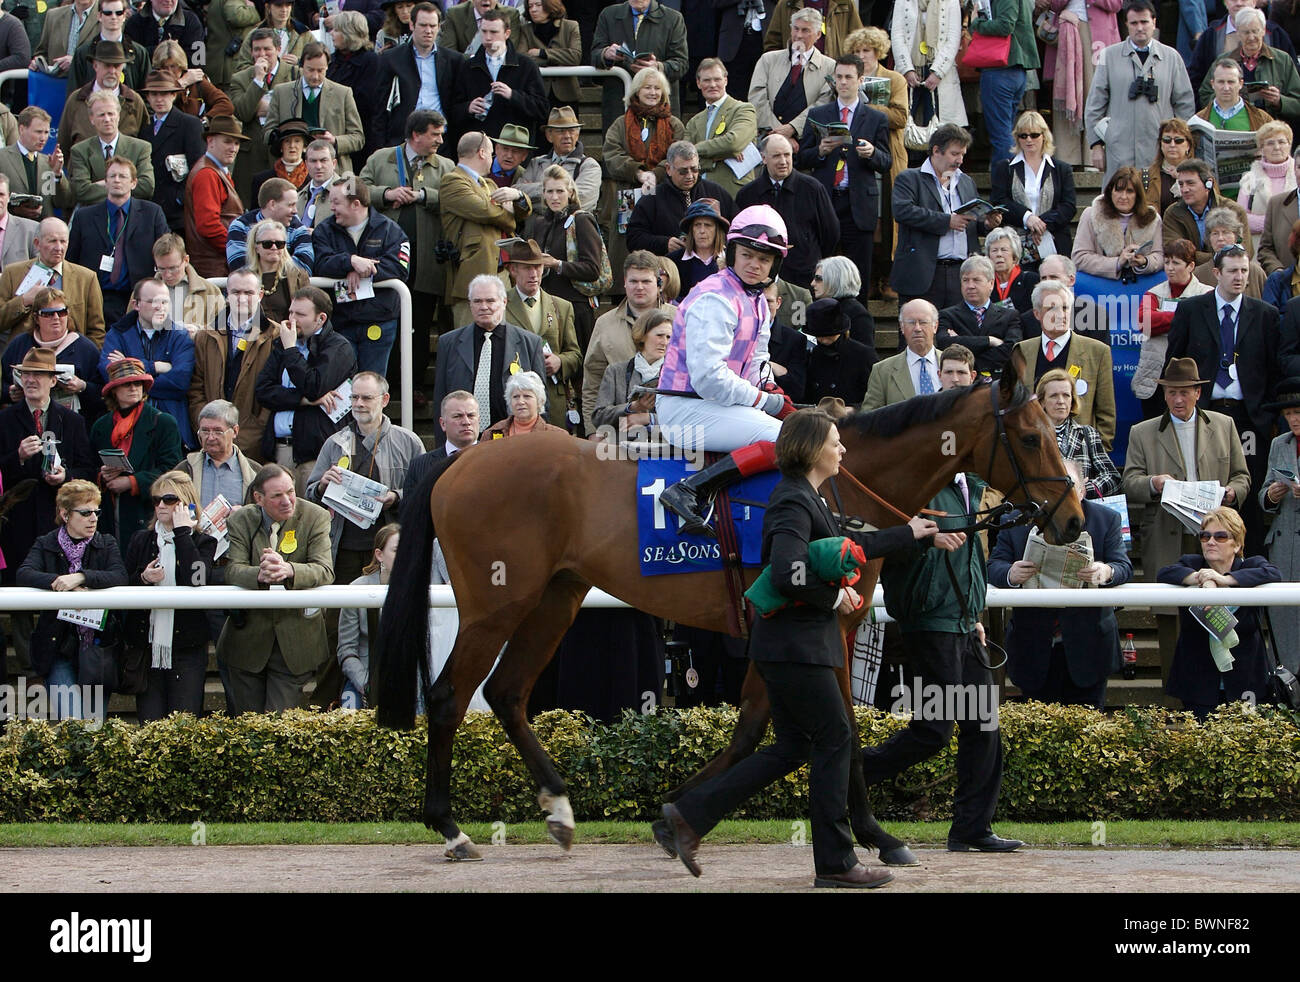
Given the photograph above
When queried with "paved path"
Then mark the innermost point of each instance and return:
(623, 868)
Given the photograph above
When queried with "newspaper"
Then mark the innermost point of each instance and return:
(213, 522)
(116, 459)
(1191, 501)
(876, 90)
(1227, 152)
(37, 275)
(1118, 503)
(837, 131)
(750, 158)
(344, 294)
(84, 618)
(1058, 566)
(1219, 621)
(356, 498)
(344, 404)
(1287, 477)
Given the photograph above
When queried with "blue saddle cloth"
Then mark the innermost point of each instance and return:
(662, 550)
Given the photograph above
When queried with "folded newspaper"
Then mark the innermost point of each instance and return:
(213, 522)
(1058, 566)
(356, 498)
(1219, 621)
(1191, 501)
(1229, 153)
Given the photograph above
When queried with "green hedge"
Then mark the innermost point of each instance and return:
(1061, 763)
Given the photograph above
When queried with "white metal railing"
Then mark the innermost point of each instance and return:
(10, 74)
(406, 383)
(226, 597)
(586, 71)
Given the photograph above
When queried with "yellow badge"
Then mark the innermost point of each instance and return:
(498, 435)
(515, 367)
(1075, 371)
(925, 48)
(242, 344)
(373, 332)
(344, 462)
(41, 6)
(720, 128)
(289, 543)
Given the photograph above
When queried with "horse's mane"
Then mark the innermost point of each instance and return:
(890, 421)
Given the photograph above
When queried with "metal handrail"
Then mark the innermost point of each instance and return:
(588, 71)
(10, 74)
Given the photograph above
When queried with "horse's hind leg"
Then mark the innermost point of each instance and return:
(531, 647)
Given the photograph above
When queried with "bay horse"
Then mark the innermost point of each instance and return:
(529, 524)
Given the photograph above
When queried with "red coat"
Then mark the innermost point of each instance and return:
(211, 204)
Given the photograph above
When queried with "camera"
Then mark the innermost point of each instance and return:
(1144, 86)
(1128, 275)
(233, 47)
(445, 251)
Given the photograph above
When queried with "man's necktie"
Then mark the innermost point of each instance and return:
(119, 249)
(925, 384)
(796, 70)
(979, 316)
(56, 281)
(108, 151)
(841, 168)
(965, 490)
(1051, 350)
(1227, 347)
(36, 418)
(708, 126)
(157, 125)
(275, 536)
(531, 301)
(483, 382)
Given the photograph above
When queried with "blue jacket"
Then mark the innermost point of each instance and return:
(383, 241)
(170, 392)
(1277, 288)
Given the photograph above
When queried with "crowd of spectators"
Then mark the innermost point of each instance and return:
(263, 143)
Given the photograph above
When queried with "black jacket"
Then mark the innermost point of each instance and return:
(810, 220)
(1057, 218)
(382, 240)
(399, 63)
(35, 516)
(330, 360)
(862, 326)
(789, 349)
(357, 70)
(841, 369)
(864, 181)
(658, 217)
(88, 240)
(999, 322)
(102, 565)
(806, 632)
(528, 106)
(194, 567)
(182, 26)
(180, 133)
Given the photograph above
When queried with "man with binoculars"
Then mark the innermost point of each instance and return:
(1138, 83)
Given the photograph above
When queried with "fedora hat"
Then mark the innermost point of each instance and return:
(223, 126)
(1288, 396)
(109, 53)
(157, 81)
(514, 135)
(823, 318)
(1181, 372)
(39, 360)
(289, 127)
(125, 371)
(529, 253)
(563, 118)
(703, 208)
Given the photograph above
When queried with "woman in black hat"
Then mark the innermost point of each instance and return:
(837, 365)
(287, 143)
(1280, 497)
(397, 25)
(705, 232)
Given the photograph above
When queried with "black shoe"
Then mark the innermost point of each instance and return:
(986, 843)
(687, 497)
(859, 878)
(684, 840)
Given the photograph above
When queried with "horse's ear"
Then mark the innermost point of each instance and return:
(1012, 373)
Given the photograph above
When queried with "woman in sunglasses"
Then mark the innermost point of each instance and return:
(1174, 147)
(281, 276)
(1037, 191)
(75, 556)
(171, 552)
(52, 330)
(1208, 671)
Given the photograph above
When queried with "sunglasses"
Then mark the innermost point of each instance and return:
(1219, 536)
(87, 512)
(112, 13)
(166, 499)
(271, 244)
(53, 311)
(1028, 136)
(1173, 139)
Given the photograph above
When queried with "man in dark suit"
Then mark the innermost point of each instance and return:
(656, 220)
(1064, 655)
(458, 419)
(178, 143)
(498, 85)
(848, 169)
(465, 363)
(990, 330)
(1234, 341)
(933, 239)
(802, 201)
(163, 20)
(1087, 317)
(403, 64)
(116, 237)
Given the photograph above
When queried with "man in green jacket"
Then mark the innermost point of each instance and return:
(936, 593)
(1001, 89)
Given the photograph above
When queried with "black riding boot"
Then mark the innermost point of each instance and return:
(690, 497)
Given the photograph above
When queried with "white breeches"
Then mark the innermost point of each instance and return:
(696, 424)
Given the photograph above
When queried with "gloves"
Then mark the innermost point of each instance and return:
(777, 403)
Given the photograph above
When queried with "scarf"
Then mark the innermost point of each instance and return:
(516, 427)
(998, 291)
(297, 177)
(932, 10)
(55, 346)
(124, 427)
(545, 33)
(74, 551)
(161, 622)
(658, 120)
(1068, 95)
(645, 371)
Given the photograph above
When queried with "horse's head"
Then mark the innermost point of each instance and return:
(1018, 455)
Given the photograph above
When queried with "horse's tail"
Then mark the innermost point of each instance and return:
(403, 639)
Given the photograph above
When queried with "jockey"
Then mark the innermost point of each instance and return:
(715, 389)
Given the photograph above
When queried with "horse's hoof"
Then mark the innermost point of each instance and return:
(464, 852)
(561, 834)
(664, 836)
(899, 856)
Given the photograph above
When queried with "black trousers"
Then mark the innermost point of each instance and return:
(855, 243)
(721, 662)
(1060, 688)
(940, 658)
(812, 726)
(178, 689)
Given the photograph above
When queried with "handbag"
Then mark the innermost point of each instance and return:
(588, 288)
(987, 51)
(1281, 687)
(916, 136)
(97, 662)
